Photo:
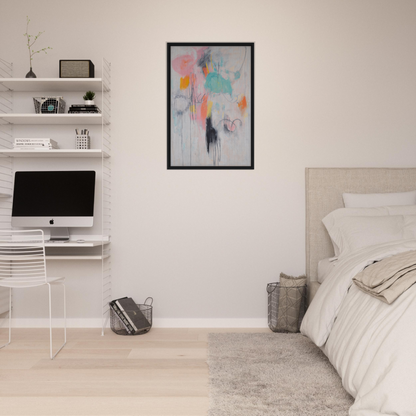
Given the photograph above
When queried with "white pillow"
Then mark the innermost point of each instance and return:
(379, 200)
(352, 233)
(332, 219)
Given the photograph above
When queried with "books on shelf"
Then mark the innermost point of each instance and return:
(35, 144)
(82, 109)
(130, 315)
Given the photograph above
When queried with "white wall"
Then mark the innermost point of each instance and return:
(335, 85)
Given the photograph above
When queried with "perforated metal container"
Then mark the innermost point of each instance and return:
(82, 141)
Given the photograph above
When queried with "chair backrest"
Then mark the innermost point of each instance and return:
(22, 257)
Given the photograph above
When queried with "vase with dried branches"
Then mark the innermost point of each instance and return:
(31, 39)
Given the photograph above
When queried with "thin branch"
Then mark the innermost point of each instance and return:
(29, 45)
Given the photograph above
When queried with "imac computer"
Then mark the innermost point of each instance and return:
(55, 200)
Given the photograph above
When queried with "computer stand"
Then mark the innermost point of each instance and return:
(59, 234)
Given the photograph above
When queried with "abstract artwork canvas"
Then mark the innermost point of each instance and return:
(210, 105)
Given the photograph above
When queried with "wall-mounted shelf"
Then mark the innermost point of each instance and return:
(76, 244)
(81, 257)
(53, 84)
(94, 153)
(60, 244)
(61, 119)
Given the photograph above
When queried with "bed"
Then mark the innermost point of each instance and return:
(371, 344)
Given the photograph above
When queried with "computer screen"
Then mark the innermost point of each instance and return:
(53, 199)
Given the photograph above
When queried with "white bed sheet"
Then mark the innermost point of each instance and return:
(371, 344)
(325, 267)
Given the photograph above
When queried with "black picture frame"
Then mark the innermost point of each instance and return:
(170, 45)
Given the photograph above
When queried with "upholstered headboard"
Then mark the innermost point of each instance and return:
(324, 189)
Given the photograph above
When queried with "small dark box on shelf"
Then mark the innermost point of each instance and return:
(75, 68)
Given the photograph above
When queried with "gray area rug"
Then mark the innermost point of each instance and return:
(272, 374)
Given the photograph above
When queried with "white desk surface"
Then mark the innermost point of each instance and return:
(74, 243)
(59, 244)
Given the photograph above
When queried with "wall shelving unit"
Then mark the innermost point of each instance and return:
(95, 153)
(45, 119)
(95, 248)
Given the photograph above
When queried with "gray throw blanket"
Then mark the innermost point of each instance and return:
(389, 278)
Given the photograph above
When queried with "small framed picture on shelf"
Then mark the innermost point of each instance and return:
(210, 105)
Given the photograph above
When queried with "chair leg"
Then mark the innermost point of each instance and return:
(63, 285)
(10, 319)
(50, 321)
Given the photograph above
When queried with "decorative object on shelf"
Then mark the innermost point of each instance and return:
(89, 98)
(82, 141)
(72, 68)
(30, 43)
(210, 105)
(30, 74)
(49, 105)
(34, 144)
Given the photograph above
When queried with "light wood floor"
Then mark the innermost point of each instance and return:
(162, 373)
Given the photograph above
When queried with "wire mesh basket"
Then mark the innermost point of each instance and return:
(117, 326)
(286, 307)
(49, 105)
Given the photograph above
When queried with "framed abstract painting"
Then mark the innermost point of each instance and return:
(210, 101)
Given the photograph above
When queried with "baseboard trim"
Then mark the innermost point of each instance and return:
(157, 323)
(210, 323)
(44, 323)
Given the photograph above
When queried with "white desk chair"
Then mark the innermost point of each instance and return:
(23, 265)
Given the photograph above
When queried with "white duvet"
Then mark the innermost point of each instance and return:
(370, 343)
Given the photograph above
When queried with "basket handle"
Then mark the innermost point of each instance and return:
(271, 287)
(151, 303)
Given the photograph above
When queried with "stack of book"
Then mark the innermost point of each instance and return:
(83, 109)
(130, 315)
(35, 144)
